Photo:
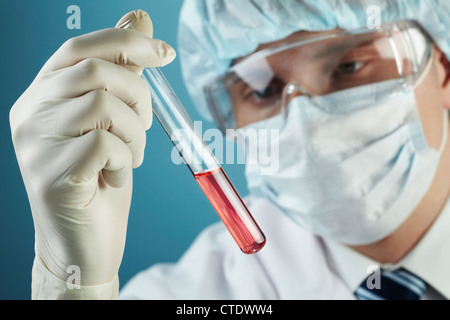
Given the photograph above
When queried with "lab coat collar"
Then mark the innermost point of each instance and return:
(430, 259)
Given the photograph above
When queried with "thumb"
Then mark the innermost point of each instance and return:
(140, 20)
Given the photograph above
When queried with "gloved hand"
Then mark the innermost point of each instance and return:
(78, 131)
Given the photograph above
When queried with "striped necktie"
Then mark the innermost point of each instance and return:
(398, 284)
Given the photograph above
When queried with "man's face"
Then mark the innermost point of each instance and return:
(374, 64)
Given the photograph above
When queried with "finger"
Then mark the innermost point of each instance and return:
(96, 74)
(101, 152)
(99, 109)
(119, 46)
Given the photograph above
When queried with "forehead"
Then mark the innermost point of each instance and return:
(296, 36)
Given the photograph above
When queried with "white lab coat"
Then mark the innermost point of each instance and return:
(292, 265)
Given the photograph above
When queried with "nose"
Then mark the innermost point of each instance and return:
(290, 91)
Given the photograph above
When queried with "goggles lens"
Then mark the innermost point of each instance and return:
(261, 85)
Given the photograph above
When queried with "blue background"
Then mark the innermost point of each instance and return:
(168, 208)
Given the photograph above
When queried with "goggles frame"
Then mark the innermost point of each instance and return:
(224, 118)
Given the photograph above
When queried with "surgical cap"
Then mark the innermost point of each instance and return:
(214, 32)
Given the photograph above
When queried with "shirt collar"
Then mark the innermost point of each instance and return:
(430, 259)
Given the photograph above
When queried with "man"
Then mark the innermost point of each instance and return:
(363, 177)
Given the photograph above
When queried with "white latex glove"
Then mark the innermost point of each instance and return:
(78, 131)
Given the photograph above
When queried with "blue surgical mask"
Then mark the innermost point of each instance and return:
(353, 175)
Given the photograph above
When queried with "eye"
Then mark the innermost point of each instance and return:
(265, 94)
(349, 67)
(271, 94)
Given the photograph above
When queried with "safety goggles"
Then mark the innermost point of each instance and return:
(261, 85)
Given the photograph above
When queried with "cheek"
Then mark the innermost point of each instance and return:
(430, 101)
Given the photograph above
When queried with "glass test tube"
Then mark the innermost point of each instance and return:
(203, 164)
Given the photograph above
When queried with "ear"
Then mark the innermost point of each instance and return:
(444, 76)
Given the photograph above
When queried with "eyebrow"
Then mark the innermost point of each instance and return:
(297, 37)
(359, 41)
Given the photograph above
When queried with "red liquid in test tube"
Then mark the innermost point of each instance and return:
(232, 210)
